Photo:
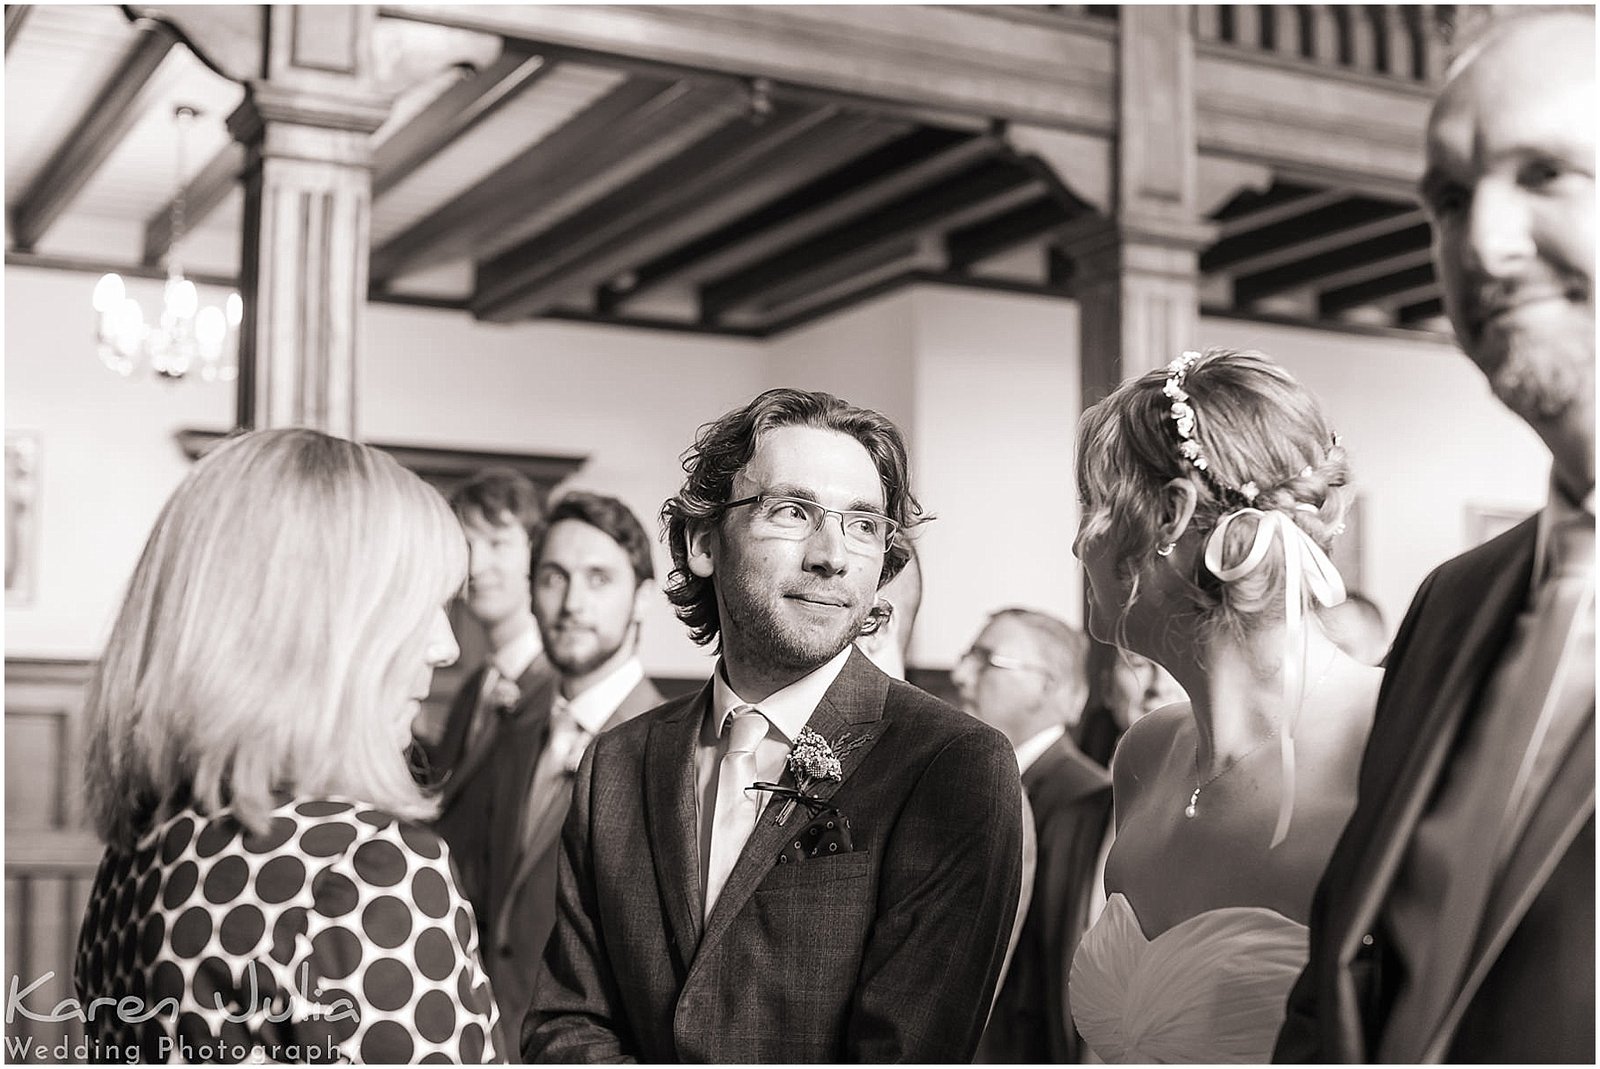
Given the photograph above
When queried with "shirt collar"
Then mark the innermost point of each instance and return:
(789, 709)
(595, 706)
(517, 656)
(1560, 510)
(1036, 747)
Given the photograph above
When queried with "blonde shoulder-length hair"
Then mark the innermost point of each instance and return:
(270, 635)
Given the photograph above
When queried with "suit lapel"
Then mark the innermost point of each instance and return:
(670, 818)
(1560, 815)
(547, 834)
(851, 706)
(1466, 636)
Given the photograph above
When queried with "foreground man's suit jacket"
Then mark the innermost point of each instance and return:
(886, 953)
(1528, 983)
(1071, 800)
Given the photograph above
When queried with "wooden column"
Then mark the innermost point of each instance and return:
(306, 128)
(1135, 272)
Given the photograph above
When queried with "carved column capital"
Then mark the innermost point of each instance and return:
(306, 125)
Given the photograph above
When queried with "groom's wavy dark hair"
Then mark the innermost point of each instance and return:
(724, 446)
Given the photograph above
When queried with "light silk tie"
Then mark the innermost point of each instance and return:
(737, 808)
(552, 778)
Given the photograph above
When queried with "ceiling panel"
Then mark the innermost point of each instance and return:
(54, 69)
(521, 122)
(141, 176)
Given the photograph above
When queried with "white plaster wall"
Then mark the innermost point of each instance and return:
(984, 384)
(866, 355)
(1427, 440)
(629, 400)
(985, 387)
(107, 456)
(997, 392)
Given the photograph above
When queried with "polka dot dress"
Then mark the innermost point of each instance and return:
(338, 934)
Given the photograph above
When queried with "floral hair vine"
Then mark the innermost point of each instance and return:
(1182, 413)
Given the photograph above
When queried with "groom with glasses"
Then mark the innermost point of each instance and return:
(806, 861)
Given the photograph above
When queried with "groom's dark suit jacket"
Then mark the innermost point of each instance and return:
(886, 953)
(1528, 982)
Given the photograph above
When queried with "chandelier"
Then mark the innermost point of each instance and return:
(185, 338)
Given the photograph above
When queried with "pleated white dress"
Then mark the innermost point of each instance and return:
(1212, 988)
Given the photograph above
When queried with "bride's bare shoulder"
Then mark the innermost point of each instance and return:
(1147, 743)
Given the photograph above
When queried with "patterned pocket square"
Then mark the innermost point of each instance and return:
(825, 835)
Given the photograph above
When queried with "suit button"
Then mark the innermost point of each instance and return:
(505, 950)
(1366, 940)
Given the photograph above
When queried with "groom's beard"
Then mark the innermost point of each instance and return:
(770, 636)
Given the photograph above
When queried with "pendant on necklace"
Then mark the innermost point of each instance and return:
(1190, 810)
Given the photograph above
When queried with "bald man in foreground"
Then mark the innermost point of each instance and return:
(1455, 921)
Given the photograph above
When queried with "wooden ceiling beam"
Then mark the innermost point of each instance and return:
(846, 139)
(850, 191)
(1350, 212)
(1404, 261)
(1337, 267)
(1375, 290)
(848, 279)
(1296, 250)
(201, 195)
(454, 112)
(16, 15)
(726, 175)
(998, 61)
(986, 190)
(1422, 293)
(991, 237)
(1292, 208)
(95, 135)
(638, 122)
(1425, 309)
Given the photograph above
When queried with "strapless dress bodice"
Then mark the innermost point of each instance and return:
(1212, 988)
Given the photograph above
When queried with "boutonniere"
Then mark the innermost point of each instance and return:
(813, 759)
(504, 695)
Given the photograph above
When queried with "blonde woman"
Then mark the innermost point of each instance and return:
(268, 890)
(1211, 492)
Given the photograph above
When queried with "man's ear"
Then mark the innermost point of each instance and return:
(641, 597)
(701, 543)
(1178, 500)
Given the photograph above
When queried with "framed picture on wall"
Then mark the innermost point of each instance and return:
(1487, 521)
(22, 517)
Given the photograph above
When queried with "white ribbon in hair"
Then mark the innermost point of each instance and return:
(1305, 566)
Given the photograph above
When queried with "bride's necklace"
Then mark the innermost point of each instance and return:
(1192, 809)
(1189, 810)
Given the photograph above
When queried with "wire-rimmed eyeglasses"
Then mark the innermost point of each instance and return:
(981, 657)
(796, 518)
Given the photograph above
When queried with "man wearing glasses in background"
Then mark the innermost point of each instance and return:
(857, 906)
(1025, 677)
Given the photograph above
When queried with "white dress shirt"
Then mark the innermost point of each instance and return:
(599, 703)
(574, 722)
(1036, 747)
(517, 656)
(509, 662)
(787, 712)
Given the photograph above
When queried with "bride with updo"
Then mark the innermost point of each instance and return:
(1211, 491)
